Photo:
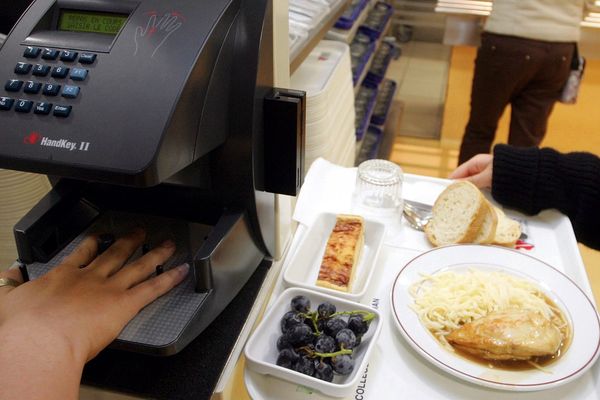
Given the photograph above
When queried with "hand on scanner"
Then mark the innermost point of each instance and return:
(51, 326)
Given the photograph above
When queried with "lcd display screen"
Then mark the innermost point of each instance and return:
(91, 22)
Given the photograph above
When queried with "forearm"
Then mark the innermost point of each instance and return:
(35, 364)
(531, 180)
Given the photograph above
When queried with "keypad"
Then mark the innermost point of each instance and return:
(40, 70)
(68, 55)
(50, 54)
(42, 108)
(50, 88)
(32, 87)
(23, 106)
(62, 111)
(60, 72)
(13, 85)
(32, 52)
(70, 91)
(22, 68)
(6, 103)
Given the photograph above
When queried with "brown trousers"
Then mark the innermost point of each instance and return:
(527, 74)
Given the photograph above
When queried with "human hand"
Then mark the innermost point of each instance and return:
(477, 170)
(84, 309)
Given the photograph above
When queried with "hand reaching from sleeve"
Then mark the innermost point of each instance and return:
(477, 170)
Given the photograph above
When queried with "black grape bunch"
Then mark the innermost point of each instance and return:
(320, 343)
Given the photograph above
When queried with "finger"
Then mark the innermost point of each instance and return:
(151, 22)
(142, 268)
(116, 255)
(174, 27)
(482, 179)
(12, 273)
(83, 254)
(148, 291)
(161, 22)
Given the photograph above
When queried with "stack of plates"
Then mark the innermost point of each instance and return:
(19, 193)
(326, 77)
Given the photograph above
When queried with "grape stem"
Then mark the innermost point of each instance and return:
(313, 354)
(313, 317)
(367, 316)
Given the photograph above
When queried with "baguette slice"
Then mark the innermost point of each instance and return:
(342, 253)
(457, 215)
(508, 230)
(487, 232)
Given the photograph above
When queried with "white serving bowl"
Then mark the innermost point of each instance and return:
(261, 349)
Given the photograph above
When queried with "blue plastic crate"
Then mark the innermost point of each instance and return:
(383, 103)
(349, 17)
(380, 64)
(361, 50)
(377, 20)
(364, 103)
(370, 144)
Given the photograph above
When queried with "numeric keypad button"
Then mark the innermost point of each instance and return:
(87, 58)
(50, 54)
(22, 68)
(42, 108)
(60, 72)
(32, 52)
(6, 103)
(68, 55)
(40, 70)
(13, 85)
(78, 74)
(32, 87)
(62, 111)
(23, 106)
(70, 91)
(51, 89)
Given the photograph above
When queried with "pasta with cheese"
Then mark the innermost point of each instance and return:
(445, 301)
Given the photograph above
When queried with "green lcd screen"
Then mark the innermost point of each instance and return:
(92, 22)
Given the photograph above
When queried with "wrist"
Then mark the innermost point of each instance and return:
(35, 339)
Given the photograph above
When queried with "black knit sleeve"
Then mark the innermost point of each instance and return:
(532, 179)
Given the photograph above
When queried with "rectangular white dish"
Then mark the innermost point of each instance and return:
(261, 349)
(302, 269)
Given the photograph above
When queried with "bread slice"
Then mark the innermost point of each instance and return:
(457, 215)
(487, 231)
(342, 253)
(508, 230)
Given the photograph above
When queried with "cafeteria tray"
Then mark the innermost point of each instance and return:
(395, 370)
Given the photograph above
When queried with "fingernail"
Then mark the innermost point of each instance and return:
(184, 269)
(168, 243)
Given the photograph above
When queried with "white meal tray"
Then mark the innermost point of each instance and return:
(395, 370)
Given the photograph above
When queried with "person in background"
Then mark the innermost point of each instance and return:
(524, 60)
(51, 326)
(531, 180)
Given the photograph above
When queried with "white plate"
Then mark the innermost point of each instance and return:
(302, 270)
(581, 354)
(261, 349)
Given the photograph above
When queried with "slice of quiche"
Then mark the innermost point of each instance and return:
(342, 253)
